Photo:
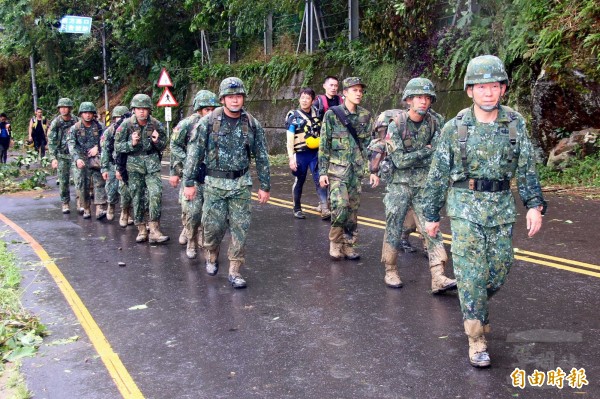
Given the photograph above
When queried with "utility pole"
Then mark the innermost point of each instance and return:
(352, 19)
(106, 111)
(33, 85)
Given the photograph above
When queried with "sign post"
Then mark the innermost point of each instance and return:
(167, 99)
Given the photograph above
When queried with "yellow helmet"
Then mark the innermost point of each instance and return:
(312, 142)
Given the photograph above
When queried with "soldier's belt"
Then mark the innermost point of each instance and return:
(490, 186)
(230, 174)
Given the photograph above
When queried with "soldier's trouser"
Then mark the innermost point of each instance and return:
(398, 199)
(84, 181)
(344, 195)
(306, 160)
(482, 257)
(138, 184)
(112, 186)
(125, 195)
(222, 209)
(192, 210)
(63, 170)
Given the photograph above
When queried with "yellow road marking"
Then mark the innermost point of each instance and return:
(520, 254)
(115, 367)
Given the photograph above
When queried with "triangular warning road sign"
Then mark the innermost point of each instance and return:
(167, 99)
(164, 79)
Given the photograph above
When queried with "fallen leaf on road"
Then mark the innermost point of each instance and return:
(138, 307)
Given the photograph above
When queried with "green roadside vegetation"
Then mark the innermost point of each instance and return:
(20, 332)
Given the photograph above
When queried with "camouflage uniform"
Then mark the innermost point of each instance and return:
(479, 160)
(81, 140)
(226, 150)
(108, 164)
(341, 159)
(143, 165)
(58, 147)
(191, 211)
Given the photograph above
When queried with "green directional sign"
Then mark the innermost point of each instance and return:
(74, 24)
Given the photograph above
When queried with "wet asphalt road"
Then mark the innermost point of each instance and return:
(305, 327)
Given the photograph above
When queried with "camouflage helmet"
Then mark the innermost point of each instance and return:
(352, 81)
(485, 69)
(205, 98)
(419, 86)
(119, 111)
(65, 102)
(231, 86)
(87, 106)
(141, 101)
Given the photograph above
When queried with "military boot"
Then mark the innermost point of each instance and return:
(212, 261)
(335, 250)
(100, 211)
(142, 233)
(235, 278)
(87, 213)
(80, 207)
(478, 355)
(325, 212)
(439, 282)
(110, 213)
(124, 219)
(389, 257)
(336, 239)
(349, 252)
(190, 250)
(405, 243)
(65, 208)
(156, 236)
(183, 238)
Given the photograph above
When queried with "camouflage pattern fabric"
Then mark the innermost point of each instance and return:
(410, 155)
(191, 210)
(341, 159)
(125, 195)
(481, 221)
(108, 164)
(81, 140)
(482, 257)
(143, 165)
(58, 148)
(227, 201)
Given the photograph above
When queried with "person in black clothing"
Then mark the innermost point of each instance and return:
(5, 136)
(38, 128)
(325, 101)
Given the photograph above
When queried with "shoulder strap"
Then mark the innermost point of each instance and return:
(323, 102)
(512, 131)
(463, 135)
(341, 115)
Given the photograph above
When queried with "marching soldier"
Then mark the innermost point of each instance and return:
(479, 152)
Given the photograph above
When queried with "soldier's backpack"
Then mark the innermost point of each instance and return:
(463, 134)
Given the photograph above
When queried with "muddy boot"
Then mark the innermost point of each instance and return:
(439, 282)
(325, 212)
(110, 213)
(129, 217)
(212, 261)
(100, 211)
(235, 278)
(87, 213)
(156, 236)
(349, 252)
(335, 250)
(190, 250)
(142, 233)
(389, 257)
(124, 219)
(183, 238)
(65, 208)
(336, 240)
(478, 355)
